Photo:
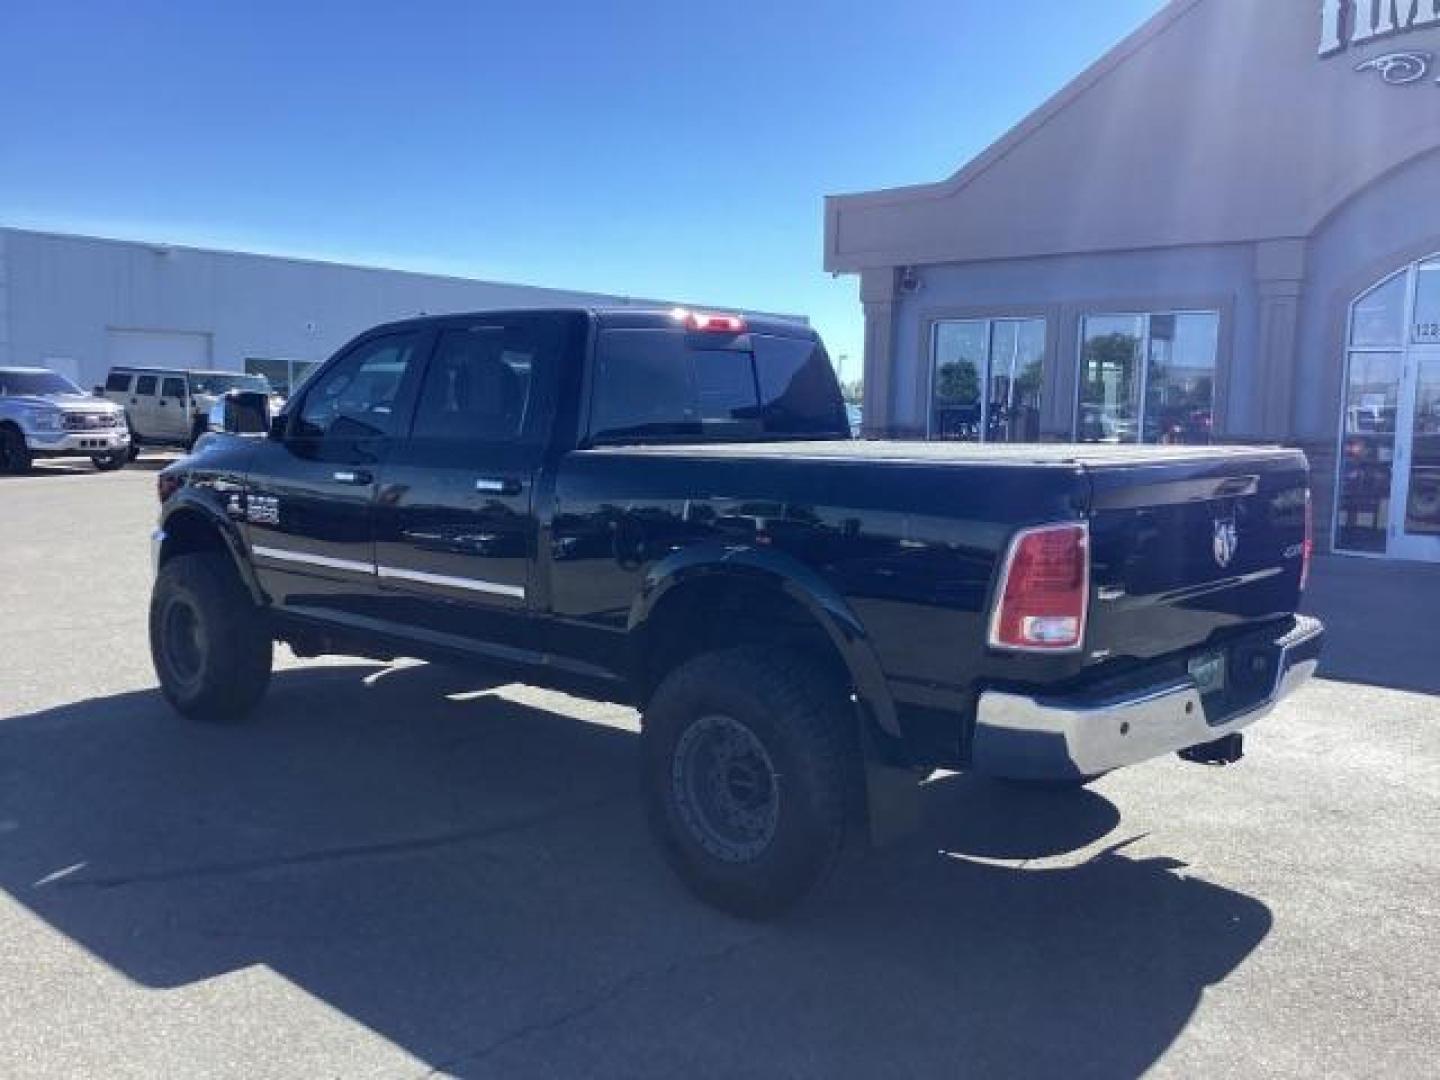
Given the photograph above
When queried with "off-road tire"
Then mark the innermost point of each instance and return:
(15, 457)
(808, 734)
(116, 459)
(209, 641)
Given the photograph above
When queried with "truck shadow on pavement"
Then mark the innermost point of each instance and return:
(470, 878)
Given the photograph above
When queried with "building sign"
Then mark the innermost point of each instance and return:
(1347, 23)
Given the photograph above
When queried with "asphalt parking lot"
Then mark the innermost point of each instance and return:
(399, 873)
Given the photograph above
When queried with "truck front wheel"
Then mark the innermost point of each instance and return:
(14, 454)
(748, 757)
(209, 641)
(115, 459)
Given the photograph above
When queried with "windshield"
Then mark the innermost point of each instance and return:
(35, 384)
(220, 384)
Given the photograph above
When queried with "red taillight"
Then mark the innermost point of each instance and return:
(706, 322)
(1307, 550)
(1044, 592)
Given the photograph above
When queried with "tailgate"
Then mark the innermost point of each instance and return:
(1184, 550)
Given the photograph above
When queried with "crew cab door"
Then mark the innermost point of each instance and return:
(456, 529)
(140, 407)
(172, 410)
(308, 502)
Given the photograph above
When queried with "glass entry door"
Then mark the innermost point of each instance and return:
(985, 380)
(1388, 487)
(1416, 534)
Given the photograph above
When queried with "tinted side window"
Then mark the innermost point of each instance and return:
(355, 399)
(643, 383)
(118, 381)
(798, 387)
(145, 385)
(659, 384)
(173, 388)
(486, 383)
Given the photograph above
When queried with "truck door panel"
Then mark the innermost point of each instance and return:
(172, 409)
(309, 503)
(141, 407)
(455, 521)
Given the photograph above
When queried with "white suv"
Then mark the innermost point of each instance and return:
(169, 406)
(45, 415)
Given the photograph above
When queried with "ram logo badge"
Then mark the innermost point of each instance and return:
(1227, 539)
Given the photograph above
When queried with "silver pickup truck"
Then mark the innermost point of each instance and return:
(45, 415)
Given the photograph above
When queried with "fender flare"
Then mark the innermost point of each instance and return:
(189, 504)
(797, 581)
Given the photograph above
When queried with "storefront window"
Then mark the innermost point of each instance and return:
(1170, 398)
(1422, 508)
(1427, 304)
(1379, 318)
(986, 380)
(1110, 379)
(1367, 452)
(1017, 366)
(1180, 384)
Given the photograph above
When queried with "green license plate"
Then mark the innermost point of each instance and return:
(1208, 671)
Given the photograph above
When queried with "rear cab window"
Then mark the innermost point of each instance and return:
(173, 388)
(670, 385)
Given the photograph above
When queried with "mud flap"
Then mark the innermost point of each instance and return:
(892, 797)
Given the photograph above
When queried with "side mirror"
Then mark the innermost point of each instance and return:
(98, 391)
(277, 427)
(245, 412)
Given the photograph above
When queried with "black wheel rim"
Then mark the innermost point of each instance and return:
(726, 787)
(183, 639)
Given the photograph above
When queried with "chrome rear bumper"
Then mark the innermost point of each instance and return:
(1041, 738)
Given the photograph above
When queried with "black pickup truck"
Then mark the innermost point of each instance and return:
(667, 509)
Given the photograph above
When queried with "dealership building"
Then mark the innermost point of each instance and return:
(1227, 229)
(80, 304)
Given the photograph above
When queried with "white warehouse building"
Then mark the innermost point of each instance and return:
(79, 304)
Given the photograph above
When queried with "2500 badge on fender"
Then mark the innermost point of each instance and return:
(666, 508)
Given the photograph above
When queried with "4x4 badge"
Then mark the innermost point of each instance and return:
(1227, 539)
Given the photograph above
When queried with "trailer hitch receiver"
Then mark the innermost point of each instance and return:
(1224, 751)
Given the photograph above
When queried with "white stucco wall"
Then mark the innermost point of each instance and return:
(1218, 122)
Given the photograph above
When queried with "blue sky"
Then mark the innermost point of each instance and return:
(654, 149)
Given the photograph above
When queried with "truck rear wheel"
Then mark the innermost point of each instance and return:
(209, 641)
(748, 760)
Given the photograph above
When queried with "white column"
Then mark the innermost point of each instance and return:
(1280, 279)
(877, 297)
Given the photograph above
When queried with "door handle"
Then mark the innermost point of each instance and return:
(351, 476)
(495, 485)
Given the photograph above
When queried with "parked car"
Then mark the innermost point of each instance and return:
(667, 510)
(171, 406)
(45, 415)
